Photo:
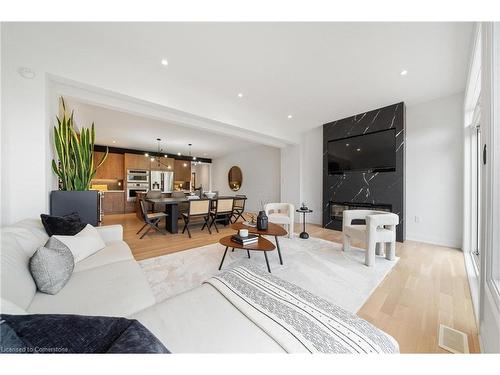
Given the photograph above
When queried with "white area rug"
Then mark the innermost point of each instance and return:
(317, 265)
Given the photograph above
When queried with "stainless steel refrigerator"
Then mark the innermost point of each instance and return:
(162, 180)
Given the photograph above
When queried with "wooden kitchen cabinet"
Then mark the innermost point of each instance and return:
(129, 206)
(181, 172)
(166, 164)
(113, 202)
(137, 161)
(111, 169)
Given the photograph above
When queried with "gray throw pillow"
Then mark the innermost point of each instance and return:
(51, 266)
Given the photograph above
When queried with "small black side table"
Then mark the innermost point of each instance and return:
(304, 235)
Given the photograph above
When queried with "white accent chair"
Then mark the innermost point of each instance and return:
(281, 213)
(380, 229)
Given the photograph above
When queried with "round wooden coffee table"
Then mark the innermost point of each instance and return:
(274, 230)
(261, 245)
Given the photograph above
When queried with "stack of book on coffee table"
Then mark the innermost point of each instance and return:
(251, 238)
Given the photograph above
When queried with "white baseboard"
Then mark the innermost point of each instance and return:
(433, 240)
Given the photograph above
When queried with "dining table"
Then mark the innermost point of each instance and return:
(172, 208)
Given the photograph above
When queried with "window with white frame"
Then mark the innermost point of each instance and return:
(495, 160)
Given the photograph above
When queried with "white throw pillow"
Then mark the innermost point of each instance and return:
(83, 244)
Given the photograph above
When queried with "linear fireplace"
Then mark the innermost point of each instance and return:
(336, 210)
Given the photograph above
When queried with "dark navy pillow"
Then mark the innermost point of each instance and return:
(48, 333)
(10, 341)
(67, 225)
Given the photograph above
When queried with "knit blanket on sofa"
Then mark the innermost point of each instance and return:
(296, 319)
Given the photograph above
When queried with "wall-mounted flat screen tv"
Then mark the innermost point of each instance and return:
(371, 152)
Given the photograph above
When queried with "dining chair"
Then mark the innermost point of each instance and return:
(178, 194)
(182, 206)
(198, 208)
(150, 219)
(153, 194)
(238, 207)
(221, 212)
(214, 198)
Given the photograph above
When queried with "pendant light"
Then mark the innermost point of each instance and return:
(157, 159)
(190, 155)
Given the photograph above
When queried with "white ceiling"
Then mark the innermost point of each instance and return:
(125, 130)
(318, 72)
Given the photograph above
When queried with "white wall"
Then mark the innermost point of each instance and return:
(261, 175)
(25, 153)
(434, 171)
(312, 171)
(290, 175)
(1, 122)
(302, 174)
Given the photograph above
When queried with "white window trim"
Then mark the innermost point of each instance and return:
(489, 298)
(493, 255)
(471, 103)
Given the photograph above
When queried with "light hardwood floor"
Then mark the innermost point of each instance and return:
(426, 288)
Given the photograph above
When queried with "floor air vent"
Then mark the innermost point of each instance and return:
(452, 340)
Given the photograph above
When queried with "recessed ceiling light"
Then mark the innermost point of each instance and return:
(240, 95)
(114, 141)
(347, 144)
(358, 149)
(404, 72)
(164, 62)
(179, 154)
(165, 156)
(146, 154)
(290, 116)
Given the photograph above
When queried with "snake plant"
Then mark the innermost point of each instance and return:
(75, 166)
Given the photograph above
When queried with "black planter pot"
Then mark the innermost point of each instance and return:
(262, 221)
(85, 203)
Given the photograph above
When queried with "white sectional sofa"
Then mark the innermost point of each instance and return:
(108, 283)
(111, 283)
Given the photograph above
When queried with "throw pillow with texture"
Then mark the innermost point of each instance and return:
(67, 225)
(87, 242)
(52, 266)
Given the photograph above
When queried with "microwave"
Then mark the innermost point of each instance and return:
(137, 175)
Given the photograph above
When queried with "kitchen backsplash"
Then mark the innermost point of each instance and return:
(110, 184)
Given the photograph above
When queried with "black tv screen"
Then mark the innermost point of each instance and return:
(372, 152)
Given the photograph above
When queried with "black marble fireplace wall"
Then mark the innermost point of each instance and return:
(364, 188)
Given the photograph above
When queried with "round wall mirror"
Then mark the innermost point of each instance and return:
(235, 178)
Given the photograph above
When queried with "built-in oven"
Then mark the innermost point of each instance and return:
(137, 175)
(136, 187)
